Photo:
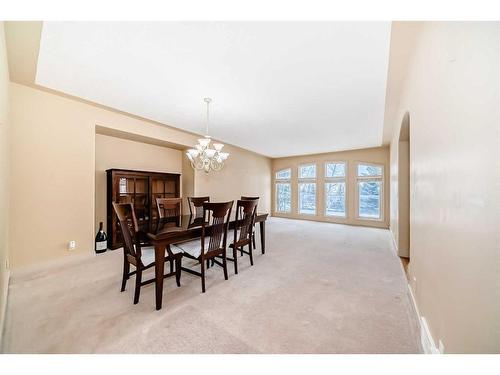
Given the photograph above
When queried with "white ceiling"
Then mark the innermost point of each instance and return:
(278, 88)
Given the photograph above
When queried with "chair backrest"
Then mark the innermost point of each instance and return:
(169, 207)
(217, 215)
(128, 224)
(246, 211)
(197, 204)
(243, 198)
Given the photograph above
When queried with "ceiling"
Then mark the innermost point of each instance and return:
(278, 88)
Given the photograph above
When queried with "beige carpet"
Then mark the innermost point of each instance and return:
(320, 288)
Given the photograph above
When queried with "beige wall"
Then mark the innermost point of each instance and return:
(112, 152)
(379, 155)
(244, 174)
(53, 171)
(187, 182)
(4, 174)
(451, 90)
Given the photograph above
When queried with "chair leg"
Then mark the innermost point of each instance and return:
(202, 276)
(138, 280)
(250, 252)
(224, 265)
(253, 240)
(126, 271)
(241, 251)
(178, 266)
(235, 257)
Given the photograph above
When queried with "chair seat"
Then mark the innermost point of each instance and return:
(192, 248)
(148, 255)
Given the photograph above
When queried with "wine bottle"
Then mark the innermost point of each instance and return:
(101, 240)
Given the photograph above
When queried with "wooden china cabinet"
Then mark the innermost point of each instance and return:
(140, 188)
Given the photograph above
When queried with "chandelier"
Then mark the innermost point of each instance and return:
(204, 158)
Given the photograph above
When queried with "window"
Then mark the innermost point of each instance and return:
(369, 170)
(335, 189)
(283, 191)
(284, 174)
(369, 187)
(307, 189)
(283, 197)
(307, 198)
(335, 170)
(307, 171)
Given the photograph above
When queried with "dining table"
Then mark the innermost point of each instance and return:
(167, 231)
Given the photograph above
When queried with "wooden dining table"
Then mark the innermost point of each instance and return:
(168, 231)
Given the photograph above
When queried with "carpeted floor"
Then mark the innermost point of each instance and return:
(320, 288)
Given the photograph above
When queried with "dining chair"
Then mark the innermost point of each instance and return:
(242, 234)
(169, 209)
(213, 240)
(243, 198)
(135, 252)
(196, 203)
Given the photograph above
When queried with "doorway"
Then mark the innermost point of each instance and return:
(404, 188)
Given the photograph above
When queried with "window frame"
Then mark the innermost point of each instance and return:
(337, 179)
(282, 181)
(380, 179)
(308, 180)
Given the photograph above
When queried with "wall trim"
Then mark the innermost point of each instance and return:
(31, 270)
(394, 243)
(318, 220)
(3, 307)
(426, 340)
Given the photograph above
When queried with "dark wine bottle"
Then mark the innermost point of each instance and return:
(101, 240)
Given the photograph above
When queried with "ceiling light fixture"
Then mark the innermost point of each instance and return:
(204, 158)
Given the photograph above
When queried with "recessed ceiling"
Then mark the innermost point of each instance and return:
(278, 88)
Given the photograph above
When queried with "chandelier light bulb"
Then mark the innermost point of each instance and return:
(218, 146)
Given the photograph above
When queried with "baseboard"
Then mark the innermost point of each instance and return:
(29, 271)
(3, 307)
(426, 340)
(365, 224)
(395, 246)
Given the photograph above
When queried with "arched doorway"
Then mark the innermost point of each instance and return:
(404, 188)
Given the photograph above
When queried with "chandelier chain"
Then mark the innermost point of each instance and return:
(208, 101)
(204, 158)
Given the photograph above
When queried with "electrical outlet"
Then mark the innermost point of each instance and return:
(71, 245)
(441, 347)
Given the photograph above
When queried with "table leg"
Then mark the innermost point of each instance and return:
(159, 266)
(263, 236)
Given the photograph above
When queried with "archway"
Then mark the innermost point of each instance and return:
(404, 188)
